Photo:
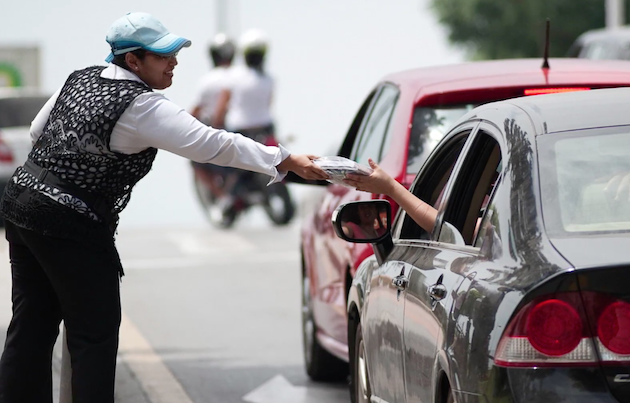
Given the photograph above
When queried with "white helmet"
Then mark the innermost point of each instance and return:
(254, 40)
(221, 48)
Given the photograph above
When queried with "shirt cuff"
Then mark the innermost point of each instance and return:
(279, 176)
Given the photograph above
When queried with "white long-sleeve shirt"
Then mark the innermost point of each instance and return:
(151, 120)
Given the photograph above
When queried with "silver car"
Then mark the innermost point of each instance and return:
(18, 107)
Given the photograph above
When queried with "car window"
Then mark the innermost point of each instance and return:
(16, 112)
(611, 48)
(472, 190)
(488, 213)
(585, 182)
(428, 127)
(351, 136)
(432, 181)
(376, 127)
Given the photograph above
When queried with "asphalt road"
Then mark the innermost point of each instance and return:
(221, 310)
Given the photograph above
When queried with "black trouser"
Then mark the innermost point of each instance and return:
(55, 279)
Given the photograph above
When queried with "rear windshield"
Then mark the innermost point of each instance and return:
(19, 111)
(428, 127)
(585, 181)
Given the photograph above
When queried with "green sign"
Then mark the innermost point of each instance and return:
(10, 76)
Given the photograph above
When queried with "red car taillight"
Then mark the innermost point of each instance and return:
(6, 155)
(613, 328)
(554, 327)
(564, 329)
(549, 331)
(542, 91)
(610, 322)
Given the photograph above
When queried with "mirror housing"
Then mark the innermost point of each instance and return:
(365, 222)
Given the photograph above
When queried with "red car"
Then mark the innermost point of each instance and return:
(398, 125)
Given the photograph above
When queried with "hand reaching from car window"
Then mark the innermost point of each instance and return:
(379, 182)
(303, 166)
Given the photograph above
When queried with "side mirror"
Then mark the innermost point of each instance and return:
(363, 221)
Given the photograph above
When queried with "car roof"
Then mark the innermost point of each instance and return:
(569, 111)
(20, 92)
(510, 73)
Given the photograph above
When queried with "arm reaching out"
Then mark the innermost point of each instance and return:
(381, 183)
(303, 166)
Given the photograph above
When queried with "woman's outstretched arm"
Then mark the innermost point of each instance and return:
(380, 182)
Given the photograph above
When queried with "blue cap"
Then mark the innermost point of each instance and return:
(142, 31)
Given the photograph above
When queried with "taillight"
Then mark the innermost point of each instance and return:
(553, 90)
(613, 327)
(565, 329)
(554, 327)
(610, 322)
(6, 155)
(549, 331)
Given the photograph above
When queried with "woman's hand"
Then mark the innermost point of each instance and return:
(303, 166)
(378, 182)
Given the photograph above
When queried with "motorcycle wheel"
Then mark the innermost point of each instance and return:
(278, 204)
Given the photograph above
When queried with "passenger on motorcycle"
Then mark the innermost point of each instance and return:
(221, 52)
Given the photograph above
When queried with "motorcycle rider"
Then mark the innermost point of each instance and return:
(221, 52)
(245, 102)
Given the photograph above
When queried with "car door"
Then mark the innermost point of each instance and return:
(439, 267)
(332, 254)
(384, 315)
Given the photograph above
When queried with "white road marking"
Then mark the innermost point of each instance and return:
(154, 377)
(194, 244)
(279, 390)
(276, 390)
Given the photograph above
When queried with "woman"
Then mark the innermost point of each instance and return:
(364, 224)
(380, 182)
(93, 141)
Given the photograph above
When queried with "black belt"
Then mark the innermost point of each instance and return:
(95, 202)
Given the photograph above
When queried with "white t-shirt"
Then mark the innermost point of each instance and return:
(151, 120)
(210, 87)
(250, 99)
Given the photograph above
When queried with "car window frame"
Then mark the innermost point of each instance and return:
(359, 138)
(470, 126)
(484, 128)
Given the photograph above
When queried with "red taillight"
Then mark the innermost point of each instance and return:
(570, 328)
(542, 91)
(549, 331)
(613, 327)
(554, 327)
(6, 155)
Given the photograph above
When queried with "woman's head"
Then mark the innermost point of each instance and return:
(363, 214)
(142, 45)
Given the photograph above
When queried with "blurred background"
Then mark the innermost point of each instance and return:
(325, 57)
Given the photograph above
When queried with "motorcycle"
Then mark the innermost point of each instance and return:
(246, 189)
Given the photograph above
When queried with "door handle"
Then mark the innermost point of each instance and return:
(400, 282)
(437, 292)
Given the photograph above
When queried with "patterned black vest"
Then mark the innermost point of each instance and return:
(74, 146)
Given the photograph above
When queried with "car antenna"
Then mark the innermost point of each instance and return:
(546, 54)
